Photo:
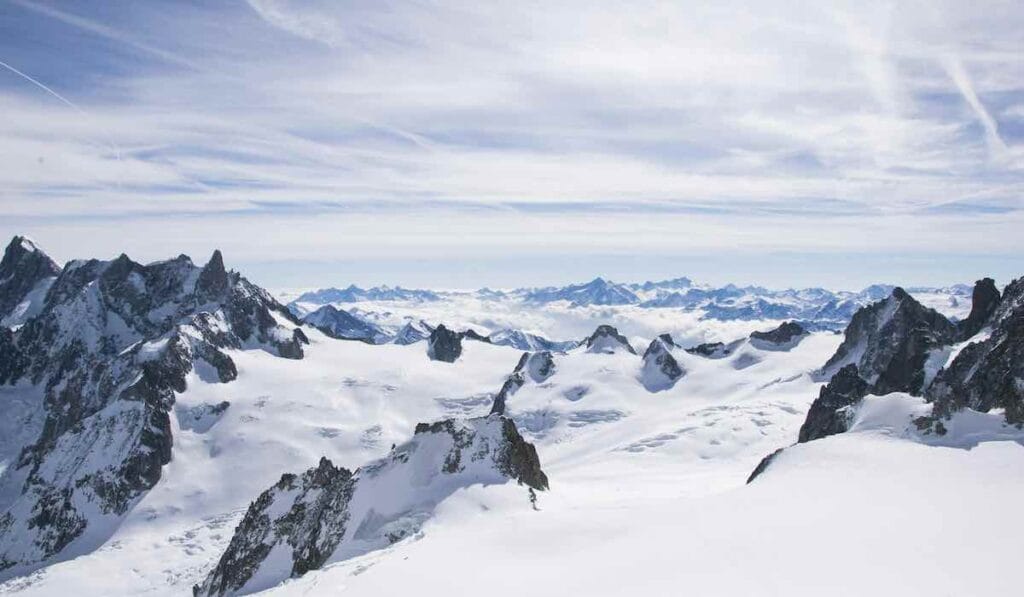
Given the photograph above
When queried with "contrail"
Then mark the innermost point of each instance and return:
(43, 87)
(63, 100)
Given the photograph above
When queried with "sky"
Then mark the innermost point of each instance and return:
(469, 144)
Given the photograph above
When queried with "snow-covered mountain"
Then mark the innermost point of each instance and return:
(565, 314)
(341, 324)
(354, 294)
(26, 274)
(95, 373)
(156, 420)
(899, 346)
(596, 292)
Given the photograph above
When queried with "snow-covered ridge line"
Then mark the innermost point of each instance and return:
(105, 354)
(897, 345)
(330, 514)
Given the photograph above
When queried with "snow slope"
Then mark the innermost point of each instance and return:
(647, 489)
(855, 514)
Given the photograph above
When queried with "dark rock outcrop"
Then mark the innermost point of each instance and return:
(660, 369)
(472, 334)
(535, 366)
(988, 374)
(312, 527)
(828, 414)
(984, 302)
(111, 346)
(607, 339)
(889, 342)
(711, 350)
(893, 339)
(25, 270)
(785, 336)
(444, 345)
(328, 507)
(764, 464)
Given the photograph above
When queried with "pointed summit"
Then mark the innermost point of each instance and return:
(984, 301)
(889, 341)
(22, 248)
(607, 339)
(26, 273)
(213, 280)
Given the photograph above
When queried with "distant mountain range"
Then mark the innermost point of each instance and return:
(818, 307)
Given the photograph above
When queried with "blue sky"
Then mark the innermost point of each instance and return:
(469, 144)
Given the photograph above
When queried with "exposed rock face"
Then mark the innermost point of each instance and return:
(984, 301)
(988, 374)
(472, 334)
(829, 413)
(894, 338)
(889, 342)
(444, 345)
(26, 273)
(308, 518)
(536, 366)
(660, 369)
(109, 349)
(711, 350)
(607, 339)
(764, 464)
(315, 517)
(784, 337)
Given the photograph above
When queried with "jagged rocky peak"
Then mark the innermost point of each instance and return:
(534, 366)
(23, 254)
(315, 516)
(784, 337)
(213, 279)
(111, 346)
(889, 341)
(26, 273)
(607, 339)
(660, 369)
(303, 520)
(830, 412)
(984, 301)
(444, 345)
(988, 374)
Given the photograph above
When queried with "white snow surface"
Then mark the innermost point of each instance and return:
(647, 489)
(30, 306)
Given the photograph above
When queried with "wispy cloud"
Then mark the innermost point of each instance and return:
(522, 116)
(963, 82)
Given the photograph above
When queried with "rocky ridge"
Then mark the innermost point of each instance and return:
(894, 345)
(328, 512)
(109, 348)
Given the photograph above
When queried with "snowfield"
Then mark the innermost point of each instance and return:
(648, 492)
